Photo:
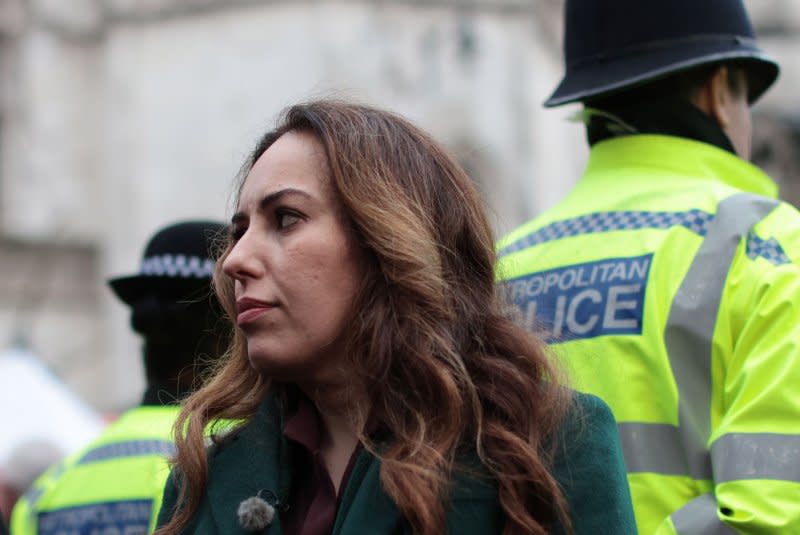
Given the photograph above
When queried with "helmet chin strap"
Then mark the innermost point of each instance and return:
(615, 124)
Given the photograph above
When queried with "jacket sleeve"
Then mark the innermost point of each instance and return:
(755, 439)
(591, 471)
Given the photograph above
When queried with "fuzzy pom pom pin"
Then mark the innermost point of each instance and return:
(255, 513)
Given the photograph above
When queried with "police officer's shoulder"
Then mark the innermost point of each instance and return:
(777, 236)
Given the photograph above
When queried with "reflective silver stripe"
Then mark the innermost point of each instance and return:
(651, 448)
(699, 517)
(693, 316)
(688, 335)
(736, 456)
(740, 456)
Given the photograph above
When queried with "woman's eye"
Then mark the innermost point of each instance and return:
(287, 219)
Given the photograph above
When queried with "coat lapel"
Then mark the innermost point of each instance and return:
(365, 508)
(252, 460)
(256, 458)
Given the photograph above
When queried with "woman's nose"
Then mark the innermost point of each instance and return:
(240, 263)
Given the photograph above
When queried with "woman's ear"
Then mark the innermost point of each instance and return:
(714, 96)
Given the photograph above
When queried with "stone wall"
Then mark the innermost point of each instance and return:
(51, 299)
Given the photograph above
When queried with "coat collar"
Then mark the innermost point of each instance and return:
(672, 155)
(257, 458)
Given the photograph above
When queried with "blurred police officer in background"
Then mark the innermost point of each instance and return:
(668, 277)
(115, 485)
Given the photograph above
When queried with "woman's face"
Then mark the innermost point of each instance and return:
(294, 263)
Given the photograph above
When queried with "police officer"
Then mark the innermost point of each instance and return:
(668, 278)
(115, 484)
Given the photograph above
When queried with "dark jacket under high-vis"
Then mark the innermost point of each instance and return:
(115, 485)
(669, 281)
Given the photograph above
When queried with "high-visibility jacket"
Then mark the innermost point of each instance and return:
(115, 485)
(668, 282)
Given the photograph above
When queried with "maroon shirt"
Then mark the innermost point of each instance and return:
(312, 500)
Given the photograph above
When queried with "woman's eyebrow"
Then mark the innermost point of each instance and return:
(268, 200)
(275, 196)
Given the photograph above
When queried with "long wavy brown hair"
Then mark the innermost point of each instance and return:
(445, 369)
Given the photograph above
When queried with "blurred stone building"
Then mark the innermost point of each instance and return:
(117, 116)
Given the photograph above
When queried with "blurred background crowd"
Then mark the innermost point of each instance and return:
(119, 115)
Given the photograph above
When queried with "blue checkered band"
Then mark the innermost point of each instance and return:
(131, 448)
(769, 249)
(694, 220)
(178, 266)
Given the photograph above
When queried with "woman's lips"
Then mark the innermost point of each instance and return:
(251, 309)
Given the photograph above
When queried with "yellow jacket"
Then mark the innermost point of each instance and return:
(115, 485)
(668, 281)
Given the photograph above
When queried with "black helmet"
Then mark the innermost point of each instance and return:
(611, 45)
(178, 260)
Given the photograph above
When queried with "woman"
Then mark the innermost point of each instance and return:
(381, 387)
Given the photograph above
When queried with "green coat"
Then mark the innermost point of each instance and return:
(589, 468)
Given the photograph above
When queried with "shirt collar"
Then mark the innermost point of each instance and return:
(303, 424)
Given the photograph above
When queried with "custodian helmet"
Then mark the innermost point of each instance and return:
(178, 260)
(612, 45)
